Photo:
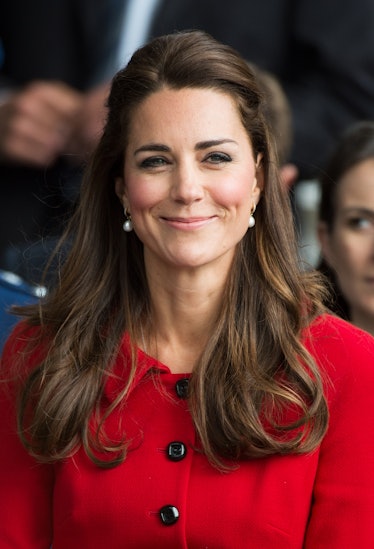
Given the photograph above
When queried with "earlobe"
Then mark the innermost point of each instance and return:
(259, 179)
(323, 235)
(256, 194)
(259, 160)
(119, 187)
(257, 188)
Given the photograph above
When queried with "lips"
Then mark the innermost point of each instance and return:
(188, 223)
(188, 219)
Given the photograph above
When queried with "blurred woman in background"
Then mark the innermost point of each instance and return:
(346, 225)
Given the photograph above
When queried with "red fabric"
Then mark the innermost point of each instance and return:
(320, 501)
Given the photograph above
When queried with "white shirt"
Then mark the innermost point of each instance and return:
(137, 21)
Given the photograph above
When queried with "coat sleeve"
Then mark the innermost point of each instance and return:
(343, 507)
(25, 486)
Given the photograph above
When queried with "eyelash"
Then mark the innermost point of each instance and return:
(222, 157)
(153, 162)
(211, 158)
(360, 223)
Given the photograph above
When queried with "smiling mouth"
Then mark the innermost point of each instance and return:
(188, 223)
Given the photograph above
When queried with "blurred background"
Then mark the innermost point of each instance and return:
(56, 64)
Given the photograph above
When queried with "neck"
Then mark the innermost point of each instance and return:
(185, 308)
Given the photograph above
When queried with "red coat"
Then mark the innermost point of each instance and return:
(324, 500)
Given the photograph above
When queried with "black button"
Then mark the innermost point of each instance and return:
(176, 451)
(169, 515)
(181, 388)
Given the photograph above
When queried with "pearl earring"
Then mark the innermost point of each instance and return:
(252, 221)
(127, 226)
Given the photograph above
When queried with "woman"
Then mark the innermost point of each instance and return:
(346, 225)
(182, 387)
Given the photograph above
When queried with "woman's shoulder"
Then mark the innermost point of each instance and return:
(332, 331)
(22, 333)
(342, 350)
(22, 350)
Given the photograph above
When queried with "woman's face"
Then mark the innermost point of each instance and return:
(190, 179)
(349, 247)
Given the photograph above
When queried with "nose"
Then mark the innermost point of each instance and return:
(186, 184)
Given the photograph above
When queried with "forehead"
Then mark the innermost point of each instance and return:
(357, 185)
(201, 110)
(182, 95)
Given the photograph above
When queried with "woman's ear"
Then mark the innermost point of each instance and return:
(120, 189)
(259, 180)
(324, 238)
(256, 190)
(260, 169)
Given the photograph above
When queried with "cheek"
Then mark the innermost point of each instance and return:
(349, 252)
(233, 195)
(141, 195)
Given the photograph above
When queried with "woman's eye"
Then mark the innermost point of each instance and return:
(153, 162)
(360, 223)
(217, 158)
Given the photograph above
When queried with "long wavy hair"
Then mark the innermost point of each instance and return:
(255, 366)
(355, 145)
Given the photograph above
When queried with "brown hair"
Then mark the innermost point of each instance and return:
(355, 145)
(255, 361)
(277, 111)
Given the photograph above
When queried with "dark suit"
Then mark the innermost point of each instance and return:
(65, 40)
(321, 51)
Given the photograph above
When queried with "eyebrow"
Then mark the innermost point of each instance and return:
(202, 145)
(212, 143)
(156, 147)
(358, 210)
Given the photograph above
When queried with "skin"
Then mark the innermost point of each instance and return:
(289, 174)
(190, 182)
(45, 120)
(349, 247)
